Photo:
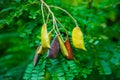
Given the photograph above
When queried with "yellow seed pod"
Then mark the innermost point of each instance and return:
(44, 37)
(62, 47)
(50, 35)
(38, 52)
(41, 50)
(78, 39)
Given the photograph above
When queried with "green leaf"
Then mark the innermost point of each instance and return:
(105, 67)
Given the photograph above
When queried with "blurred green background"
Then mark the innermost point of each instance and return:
(20, 24)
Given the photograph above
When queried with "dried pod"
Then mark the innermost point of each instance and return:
(39, 51)
(53, 51)
(62, 47)
(77, 38)
(69, 49)
(44, 37)
(36, 57)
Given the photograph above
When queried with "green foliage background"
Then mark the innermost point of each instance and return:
(20, 24)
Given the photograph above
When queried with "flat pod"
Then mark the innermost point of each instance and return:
(62, 47)
(38, 52)
(36, 56)
(50, 35)
(53, 51)
(44, 37)
(69, 49)
(41, 50)
(36, 59)
(77, 38)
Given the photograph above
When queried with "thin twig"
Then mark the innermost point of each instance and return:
(62, 26)
(54, 20)
(47, 18)
(66, 13)
(42, 13)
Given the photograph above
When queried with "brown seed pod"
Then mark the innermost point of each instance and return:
(53, 51)
(69, 49)
(36, 59)
(36, 56)
(38, 52)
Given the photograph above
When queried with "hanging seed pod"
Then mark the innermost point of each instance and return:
(53, 51)
(40, 50)
(43, 50)
(69, 49)
(77, 38)
(36, 57)
(44, 37)
(50, 35)
(62, 47)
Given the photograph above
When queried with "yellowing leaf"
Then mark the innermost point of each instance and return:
(44, 37)
(62, 47)
(78, 39)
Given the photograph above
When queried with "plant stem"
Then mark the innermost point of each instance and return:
(66, 13)
(47, 18)
(42, 13)
(54, 20)
(62, 26)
